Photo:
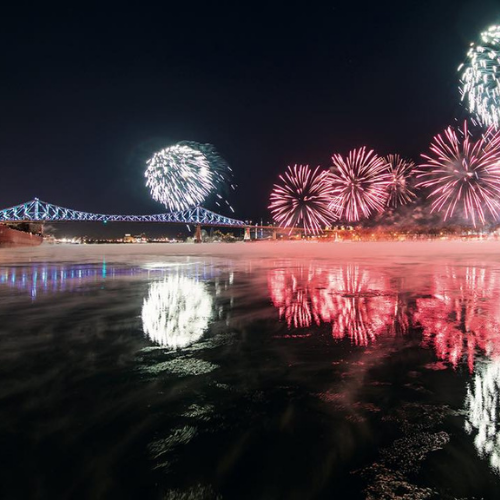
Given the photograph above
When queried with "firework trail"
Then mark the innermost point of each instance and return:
(480, 85)
(400, 190)
(222, 172)
(360, 184)
(464, 174)
(303, 198)
(184, 175)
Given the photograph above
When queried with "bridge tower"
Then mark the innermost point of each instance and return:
(197, 234)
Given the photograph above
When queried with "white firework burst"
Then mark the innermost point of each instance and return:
(480, 85)
(184, 175)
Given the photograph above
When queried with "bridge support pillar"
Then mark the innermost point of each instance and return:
(247, 236)
(274, 234)
(197, 234)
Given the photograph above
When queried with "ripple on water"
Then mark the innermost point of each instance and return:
(197, 492)
(199, 412)
(391, 476)
(178, 437)
(181, 366)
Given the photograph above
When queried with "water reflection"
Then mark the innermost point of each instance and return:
(202, 413)
(50, 278)
(460, 315)
(363, 304)
(358, 302)
(482, 404)
(54, 278)
(176, 311)
(457, 308)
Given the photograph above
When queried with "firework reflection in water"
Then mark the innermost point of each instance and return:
(482, 408)
(177, 311)
(457, 318)
(354, 300)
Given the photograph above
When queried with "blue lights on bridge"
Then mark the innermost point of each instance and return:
(40, 211)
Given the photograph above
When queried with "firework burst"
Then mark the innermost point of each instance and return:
(302, 198)
(221, 171)
(463, 174)
(400, 190)
(184, 175)
(360, 184)
(480, 84)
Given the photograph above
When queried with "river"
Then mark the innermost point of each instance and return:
(250, 371)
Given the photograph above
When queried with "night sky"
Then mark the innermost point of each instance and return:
(88, 93)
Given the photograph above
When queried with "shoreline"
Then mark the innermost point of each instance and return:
(387, 251)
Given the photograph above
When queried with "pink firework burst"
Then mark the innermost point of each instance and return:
(400, 189)
(463, 174)
(302, 198)
(360, 184)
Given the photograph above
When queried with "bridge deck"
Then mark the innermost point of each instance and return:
(40, 211)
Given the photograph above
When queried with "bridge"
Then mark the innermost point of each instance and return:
(40, 211)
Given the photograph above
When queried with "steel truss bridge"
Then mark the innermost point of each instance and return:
(40, 211)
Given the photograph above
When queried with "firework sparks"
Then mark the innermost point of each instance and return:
(464, 174)
(480, 85)
(184, 175)
(303, 198)
(221, 171)
(360, 184)
(400, 190)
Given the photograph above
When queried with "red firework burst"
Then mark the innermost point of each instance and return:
(302, 198)
(464, 174)
(360, 184)
(400, 190)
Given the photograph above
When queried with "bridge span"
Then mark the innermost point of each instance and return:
(40, 211)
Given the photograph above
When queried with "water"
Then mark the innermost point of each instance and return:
(259, 371)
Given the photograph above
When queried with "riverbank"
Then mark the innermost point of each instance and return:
(433, 250)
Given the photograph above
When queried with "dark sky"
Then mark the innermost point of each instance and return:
(89, 92)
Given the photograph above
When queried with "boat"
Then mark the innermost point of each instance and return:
(20, 235)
